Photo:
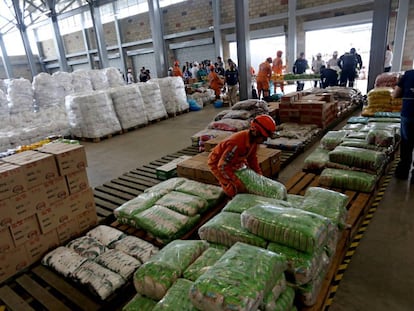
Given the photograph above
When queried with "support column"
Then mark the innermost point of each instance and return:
(57, 38)
(218, 45)
(119, 39)
(86, 43)
(6, 61)
(99, 33)
(400, 32)
(157, 30)
(380, 21)
(40, 50)
(291, 39)
(23, 33)
(243, 47)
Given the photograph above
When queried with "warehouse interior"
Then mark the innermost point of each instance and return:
(44, 42)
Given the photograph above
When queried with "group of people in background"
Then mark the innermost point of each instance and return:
(144, 76)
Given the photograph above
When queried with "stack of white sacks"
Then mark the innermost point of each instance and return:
(85, 103)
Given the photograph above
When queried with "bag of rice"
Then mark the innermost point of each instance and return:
(105, 234)
(203, 263)
(332, 139)
(269, 301)
(351, 180)
(213, 194)
(317, 160)
(295, 200)
(87, 247)
(135, 247)
(139, 303)
(167, 185)
(284, 301)
(177, 298)
(243, 201)
(118, 262)
(183, 203)
(64, 260)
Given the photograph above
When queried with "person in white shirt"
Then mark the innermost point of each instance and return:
(316, 66)
(194, 70)
(333, 62)
(388, 59)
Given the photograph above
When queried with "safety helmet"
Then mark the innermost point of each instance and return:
(265, 125)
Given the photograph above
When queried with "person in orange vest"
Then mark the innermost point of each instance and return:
(263, 78)
(277, 68)
(239, 150)
(176, 70)
(216, 83)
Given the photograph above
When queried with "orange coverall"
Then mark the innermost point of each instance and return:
(177, 72)
(230, 155)
(263, 78)
(277, 67)
(216, 83)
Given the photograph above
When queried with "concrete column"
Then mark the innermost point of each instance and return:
(400, 32)
(218, 46)
(157, 30)
(380, 22)
(291, 39)
(6, 61)
(243, 47)
(99, 33)
(118, 30)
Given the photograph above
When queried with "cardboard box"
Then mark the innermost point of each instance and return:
(87, 220)
(54, 215)
(68, 230)
(169, 170)
(39, 197)
(25, 230)
(6, 240)
(21, 206)
(12, 262)
(56, 190)
(70, 158)
(38, 247)
(188, 168)
(211, 143)
(7, 214)
(77, 181)
(12, 180)
(38, 167)
(79, 202)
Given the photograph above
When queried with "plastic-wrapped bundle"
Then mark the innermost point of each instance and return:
(302, 267)
(231, 125)
(20, 95)
(151, 94)
(362, 158)
(238, 280)
(332, 139)
(63, 260)
(213, 194)
(243, 201)
(163, 223)
(129, 106)
(98, 79)
(387, 79)
(221, 114)
(114, 77)
(135, 247)
(261, 185)
(225, 229)
(177, 297)
(3, 86)
(210, 133)
(102, 281)
(87, 247)
(55, 118)
(316, 160)
(359, 143)
(269, 301)
(105, 234)
(118, 262)
(3, 102)
(251, 104)
(139, 303)
(384, 120)
(156, 276)
(45, 89)
(353, 127)
(302, 230)
(295, 200)
(167, 185)
(91, 115)
(81, 81)
(238, 114)
(351, 180)
(381, 137)
(63, 84)
(282, 302)
(203, 263)
(173, 94)
(363, 120)
(328, 203)
(183, 203)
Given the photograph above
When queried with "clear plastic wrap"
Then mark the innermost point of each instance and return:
(20, 95)
(345, 179)
(237, 114)
(261, 185)
(243, 201)
(136, 247)
(316, 160)
(139, 303)
(203, 263)
(332, 139)
(63, 260)
(177, 298)
(357, 157)
(252, 104)
(45, 89)
(167, 185)
(173, 94)
(295, 200)
(156, 276)
(238, 280)
(284, 302)
(98, 79)
(269, 301)
(81, 81)
(105, 234)
(211, 193)
(225, 229)
(87, 247)
(118, 262)
(151, 95)
(231, 125)
(183, 203)
(114, 77)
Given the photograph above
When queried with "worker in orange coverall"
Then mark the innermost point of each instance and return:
(239, 150)
(176, 70)
(277, 68)
(216, 83)
(263, 78)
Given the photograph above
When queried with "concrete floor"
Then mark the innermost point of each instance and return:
(380, 275)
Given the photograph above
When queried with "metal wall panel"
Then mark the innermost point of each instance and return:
(84, 66)
(196, 53)
(144, 60)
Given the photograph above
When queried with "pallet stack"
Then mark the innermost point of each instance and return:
(45, 200)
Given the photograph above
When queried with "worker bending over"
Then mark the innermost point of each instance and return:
(263, 78)
(239, 150)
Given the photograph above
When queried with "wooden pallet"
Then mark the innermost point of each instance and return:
(97, 139)
(134, 128)
(177, 113)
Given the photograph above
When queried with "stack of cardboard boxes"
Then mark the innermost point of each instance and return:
(45, 200)
(319, 109)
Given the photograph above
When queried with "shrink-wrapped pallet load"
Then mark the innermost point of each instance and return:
(151, 95)
(239, 280)
(92, 115)
(114, 77)
(173, 94)
(46, 91)
(129, 106)
(20, 95)
(98, 79)
(156, 276)
(81, 81)
(64, 84)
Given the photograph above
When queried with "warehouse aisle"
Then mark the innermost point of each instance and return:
(380, 275)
